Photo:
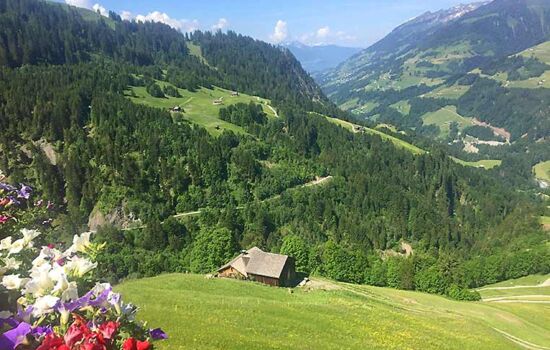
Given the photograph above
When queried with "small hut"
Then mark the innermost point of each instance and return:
(256, 265)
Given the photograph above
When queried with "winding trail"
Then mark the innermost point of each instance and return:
(543, 284)
(523, 343)
(317, 182)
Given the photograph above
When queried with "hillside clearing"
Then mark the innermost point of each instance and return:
(396, 141)
(201, 313)
(542, 171)
(198, 105)
(443, 118)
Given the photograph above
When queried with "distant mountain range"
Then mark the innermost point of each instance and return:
(319, 58)
(465, 76)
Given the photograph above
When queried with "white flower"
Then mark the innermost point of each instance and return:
(12, 282)
(41, 282)
(5, 244)
(11, 263)
(29, 235)
(78, 267)
(44, 305)
(81, 243)
(70, 293)
(17, 247)
(57, 274)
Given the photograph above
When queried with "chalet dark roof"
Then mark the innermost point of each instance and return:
(257, 262)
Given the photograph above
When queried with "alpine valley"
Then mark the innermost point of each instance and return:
(474, 77)
(404, 195)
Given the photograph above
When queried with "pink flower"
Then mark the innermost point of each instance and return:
(4, 219)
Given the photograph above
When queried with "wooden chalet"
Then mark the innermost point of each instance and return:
(256, 265)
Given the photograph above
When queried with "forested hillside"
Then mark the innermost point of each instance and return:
(173, 197)
(474, 78)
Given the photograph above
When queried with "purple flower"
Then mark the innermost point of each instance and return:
(12, 338)
(25, 315)
(41, 331)
(24, 192)
(13, 200)
(158, 334)
(6, 187)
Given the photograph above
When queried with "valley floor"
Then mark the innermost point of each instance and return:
(200, 313)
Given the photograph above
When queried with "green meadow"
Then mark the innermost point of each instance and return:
(542, 171)
(396, 141)
(484, 163)
(444, 117)
(200, 313)
(198, 106)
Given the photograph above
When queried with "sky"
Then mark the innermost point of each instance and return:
(357, 23)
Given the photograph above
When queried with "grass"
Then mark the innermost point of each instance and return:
(540, 52)
(403, 107)
(195, 50)
(485, 163)
(396, 141)
(198, 105)
(542, 171)
(443, 118)
(451, 92)
(201, 313)
(545, 220)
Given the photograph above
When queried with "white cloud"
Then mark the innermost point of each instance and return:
(323, 32)
(127, 15)
(280, 33)
(325, 36)
(102, 10)
(79, 3)
(156, 16)
(189, 26)
(221, 25)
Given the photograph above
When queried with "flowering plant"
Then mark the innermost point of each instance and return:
(53, 303)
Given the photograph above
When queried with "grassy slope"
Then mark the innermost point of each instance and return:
(214, 314)
(486, 163)
(443, 119)
(542, 171)
(199, 106)
(398, 142)
(540, 52)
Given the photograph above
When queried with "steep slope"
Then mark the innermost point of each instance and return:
(474, 77)
(319, 58)
(435, 46)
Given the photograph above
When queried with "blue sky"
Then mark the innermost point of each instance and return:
(344, 22)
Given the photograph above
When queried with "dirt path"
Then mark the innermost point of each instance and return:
(499, 131)
(523, 343)
(273, 110)
(543, 284)
(317, 182)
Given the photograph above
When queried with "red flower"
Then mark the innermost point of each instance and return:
(129, 344)
(53, 342)
(132, 344)
(93, 341)
(108, 329)
(143, 345)
(77, 332)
